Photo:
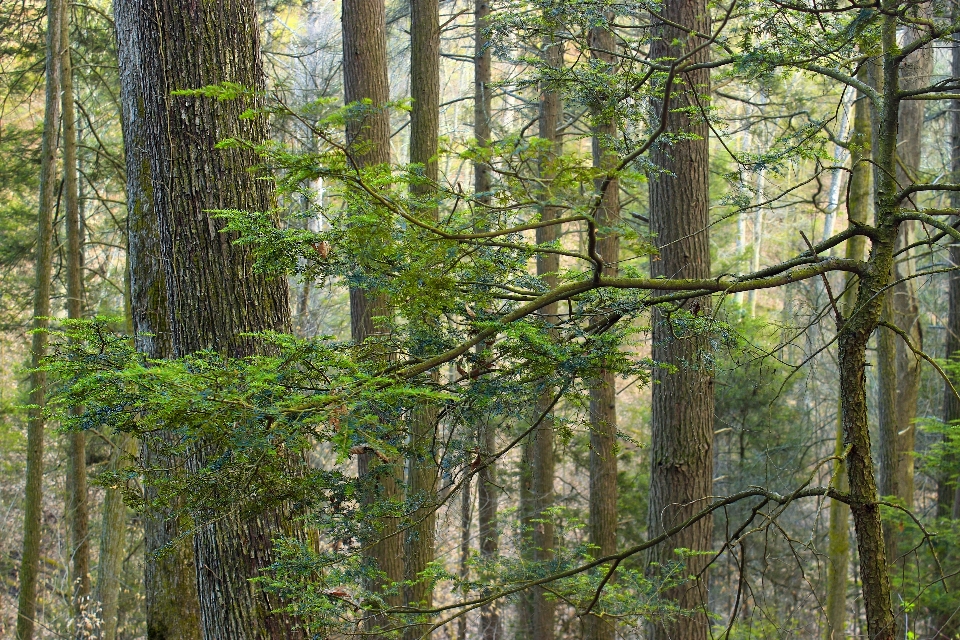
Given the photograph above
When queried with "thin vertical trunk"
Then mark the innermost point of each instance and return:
(681, 448)
(853, 338)
(113, 537)
(487, 489)
(946, 622)
(542, 440)
(214, 297)
(466, 518)
(858, 209)
(424, 144)
(365, 78)
(603, 395)
(915, 72)
(947, 491)
(77, 495)
(33, 491)
(899, 368)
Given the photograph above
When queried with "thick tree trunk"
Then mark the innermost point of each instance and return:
(78, 513)
(858, 203)
(33, 491)
(368, 139)
(603, 395)
(424, 144)
(681, 448)
(213, 294)
(170, 580)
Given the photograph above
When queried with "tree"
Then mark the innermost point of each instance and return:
(77, 498)
(424, 145)
(681, 437)
(603, 395)
(33, 503)
(166, 52)
(366, 87)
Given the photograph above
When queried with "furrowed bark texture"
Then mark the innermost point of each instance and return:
(681, 448)
(491, 627)
(78, 513)
(603, 395)
(170, 581)
(858, 208)
(424, 141)
(33, 490)
(368, 139)
(213, 295)
(542, 455)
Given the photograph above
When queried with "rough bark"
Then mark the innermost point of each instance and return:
(603, 395)
(368, 139)
(858, 208)
(170, 580)
(681, 448)
(78, 513)
(424, 143)
(213, 294)
(33, 490)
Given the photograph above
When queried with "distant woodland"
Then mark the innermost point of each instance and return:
(480, 319)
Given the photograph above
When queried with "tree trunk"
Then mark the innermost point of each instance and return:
(170, 581)
(681, 448)
(853, 338)
(858, 208)
(487, 488)
(213, 295)
(603, 395)
(542, 440)
(78, 514)
(368, 140)
(33, 490)
(424, 143)
(945, 621)
(113, 537)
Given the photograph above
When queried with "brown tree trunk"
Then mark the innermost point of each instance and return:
(487, 488)
(213, 294)
(368, 140)
(603, 395)
(681, 448)
(424, 143)
(542, 440)
(33, 490)
(78, 514)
